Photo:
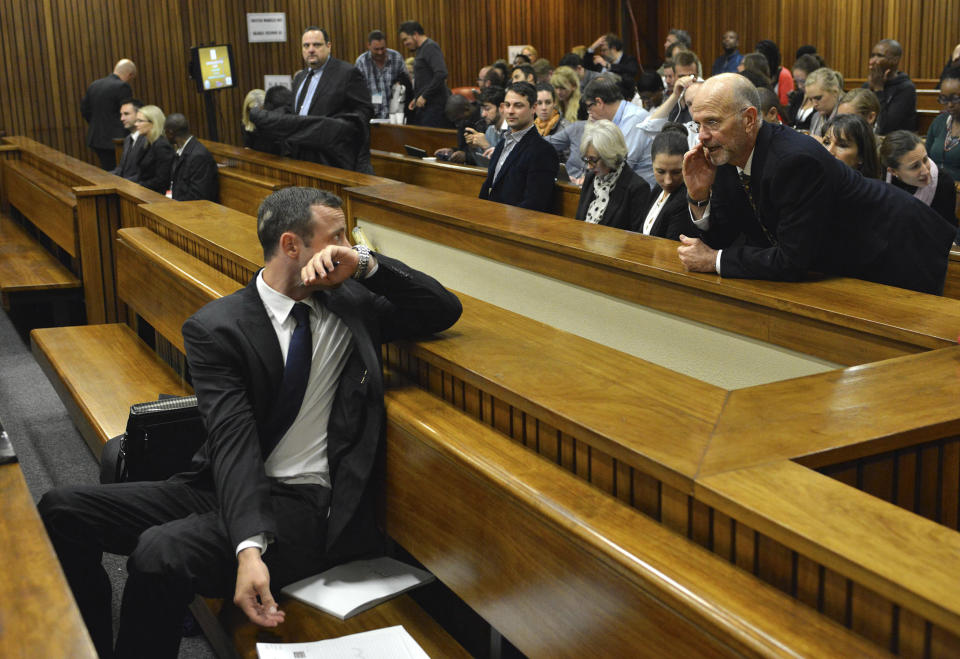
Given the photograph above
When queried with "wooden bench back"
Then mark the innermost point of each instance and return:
(47, 203)
(244, 191)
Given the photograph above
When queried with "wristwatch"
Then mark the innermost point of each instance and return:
(698, 204)
(364, 264)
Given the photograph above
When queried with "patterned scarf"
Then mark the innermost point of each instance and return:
(602, 187)
(544, 127)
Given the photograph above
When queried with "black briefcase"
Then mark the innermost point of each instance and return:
(160, 440)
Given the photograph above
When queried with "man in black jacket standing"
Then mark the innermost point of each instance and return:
(523, 168)
(430, 90)
(194, 174)
(101, 109)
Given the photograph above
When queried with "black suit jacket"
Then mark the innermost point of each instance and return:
(629, 200)
(822, 215)
(527, 177)
(674, 218)
(236, 365)
(194, 174)
(101, 108)
(154, 165)
(130, 158)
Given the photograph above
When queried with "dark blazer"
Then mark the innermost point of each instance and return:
(194, 174)
(629, 200)
(324, 140)
(155, 165)
(236, 365)
(627, 67)
(129, 159)
(822, 215)
(341, 89)
(101, 108)
(674, 218)
(527, 177)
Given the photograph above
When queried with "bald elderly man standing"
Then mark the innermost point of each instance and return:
(797, 208)
(101, 108)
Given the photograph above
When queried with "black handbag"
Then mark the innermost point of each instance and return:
(161, 438)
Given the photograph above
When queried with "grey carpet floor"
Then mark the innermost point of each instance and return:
(50, 450)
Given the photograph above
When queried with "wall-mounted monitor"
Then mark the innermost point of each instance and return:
(212, 67)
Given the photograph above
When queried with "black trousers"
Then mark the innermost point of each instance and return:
(108, 158)
(178, 547)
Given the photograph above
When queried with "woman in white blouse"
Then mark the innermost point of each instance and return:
(668, 215)
(612, 194)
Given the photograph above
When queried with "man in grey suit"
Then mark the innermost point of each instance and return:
(101, 109)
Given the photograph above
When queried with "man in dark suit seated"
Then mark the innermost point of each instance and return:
(328, 87)
(194, 174)
(129, 157)
(797, 207)
(523, 167)
(101, 109)
(287, 375)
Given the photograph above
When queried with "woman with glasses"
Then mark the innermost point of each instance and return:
(156, 156)
(910, 169)
(943, 138)
(612, 194)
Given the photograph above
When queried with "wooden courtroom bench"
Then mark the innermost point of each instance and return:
(38, 617)
(243, 191)
(164, 286)
(25, 263)
(393, 137)
(628, 430)
(462, 179)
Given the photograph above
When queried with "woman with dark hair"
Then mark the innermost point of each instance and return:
(800, 108)
(668, 215)
(849, 139)
(612, 194)
(757, 63)
(943, 137)
(782, 80)
(908, 167)
(548, 118)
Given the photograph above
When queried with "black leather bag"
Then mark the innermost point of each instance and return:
(160, 440)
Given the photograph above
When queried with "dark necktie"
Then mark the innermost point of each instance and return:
(303, 91)
(296, 373)
(745, 181)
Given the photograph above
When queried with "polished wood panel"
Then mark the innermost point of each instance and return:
(843, 320)
(842, 31)
(393, 137)
(243, 191)
(460, 179)
(38, 615)
(164, 284)
(92, 35)
(25, 265)
(99, 371)
(47, 203)
(629, 587)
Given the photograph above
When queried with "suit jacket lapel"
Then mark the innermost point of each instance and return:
(256, 327)
(515, 154)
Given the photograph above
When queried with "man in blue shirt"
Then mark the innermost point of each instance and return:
(731, 58)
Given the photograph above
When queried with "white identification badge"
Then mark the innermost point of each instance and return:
(377, 99)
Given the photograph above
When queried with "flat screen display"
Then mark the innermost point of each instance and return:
(212, 67)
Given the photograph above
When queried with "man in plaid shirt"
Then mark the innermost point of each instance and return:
(381, 67)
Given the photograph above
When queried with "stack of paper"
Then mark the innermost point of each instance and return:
(346, 590)
(388, 643)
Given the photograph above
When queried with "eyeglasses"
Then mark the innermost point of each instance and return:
(948, 100)
(590, 161)
(712, 124)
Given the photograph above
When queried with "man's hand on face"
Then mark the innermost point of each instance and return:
(330, 267)
(253, 594)
(698, 173)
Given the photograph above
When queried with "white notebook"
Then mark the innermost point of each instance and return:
(346, 590)
(386, 643)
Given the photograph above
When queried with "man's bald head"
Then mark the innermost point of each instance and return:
(125, 70)
(726, 107)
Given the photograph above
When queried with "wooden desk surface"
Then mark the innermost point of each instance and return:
(38, 615)
(622, 264)
(392, 137)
